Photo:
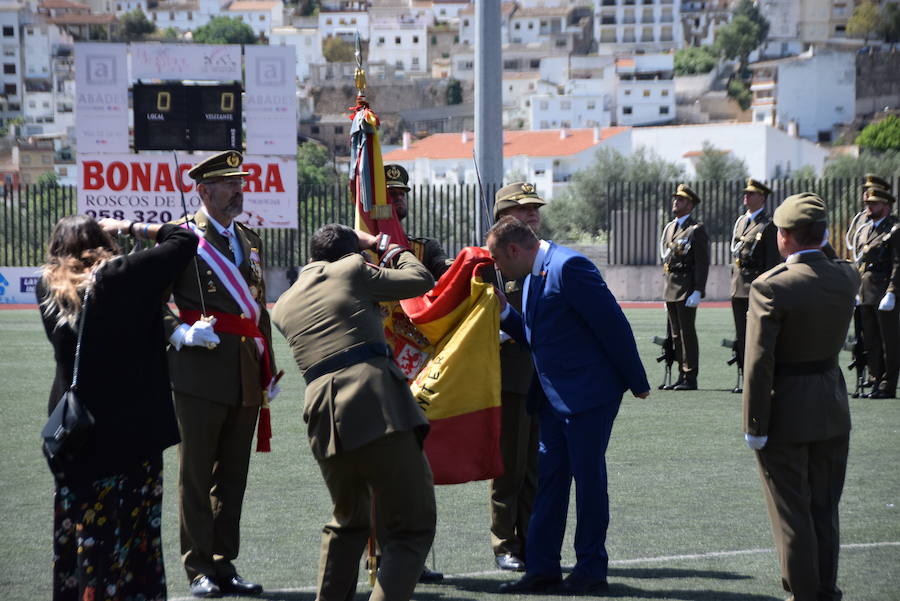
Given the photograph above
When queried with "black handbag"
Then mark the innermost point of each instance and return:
(71, 424)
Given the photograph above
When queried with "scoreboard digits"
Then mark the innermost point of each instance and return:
(187, 117)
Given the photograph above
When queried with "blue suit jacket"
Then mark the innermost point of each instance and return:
(583, 347)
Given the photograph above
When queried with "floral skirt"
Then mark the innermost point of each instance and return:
(106, 538)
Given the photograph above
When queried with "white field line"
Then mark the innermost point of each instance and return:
(613, 562)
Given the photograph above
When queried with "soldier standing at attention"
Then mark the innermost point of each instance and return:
(684, 249)
(796, 414)
(754, 249)
(875, 244)
(219, 378)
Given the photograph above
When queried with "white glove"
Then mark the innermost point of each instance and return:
(199, 334)
(504, 337)
(887, 302)
(693, 300)
(756, 442)
(273, 390)
(858, 300)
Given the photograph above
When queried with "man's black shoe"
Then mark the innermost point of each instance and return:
(879, 394)
(509, 562)
(688, 384)
(576, 584)
(236, 584)
(530, 583)
(205, 588)
(430, 576)
(737, 390)
(672, 386)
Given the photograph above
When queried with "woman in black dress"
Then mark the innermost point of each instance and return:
(108, 504)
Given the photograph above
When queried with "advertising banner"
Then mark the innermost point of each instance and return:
(101, 98)
(146, 188)
(270, 100)
(17, 285)
(204, 62)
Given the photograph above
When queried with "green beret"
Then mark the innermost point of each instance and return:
(395, 176)
(800, 209)
(514, 195)
(757, 186)
(875, 182)
(223, 164)
(685, 192)
(879, 195)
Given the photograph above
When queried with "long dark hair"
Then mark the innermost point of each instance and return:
(77, 246)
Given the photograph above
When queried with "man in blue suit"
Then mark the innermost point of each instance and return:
(585, 358)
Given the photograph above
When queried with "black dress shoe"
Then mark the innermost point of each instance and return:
(672, 386)
(737, 390)
(688, 384)
(510, 562)
(880, 394)
(577, 584)
(531, 583)
(236, 584)
(430, 576)
(205, 588)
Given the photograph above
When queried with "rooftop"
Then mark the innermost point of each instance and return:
(250, 5)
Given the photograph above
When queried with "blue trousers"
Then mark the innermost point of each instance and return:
(571, 447)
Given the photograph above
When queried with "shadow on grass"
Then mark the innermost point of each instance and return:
(674, 573)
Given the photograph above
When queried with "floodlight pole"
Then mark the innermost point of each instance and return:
(488, 101)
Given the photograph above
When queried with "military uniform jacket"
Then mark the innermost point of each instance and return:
(430, 253)
(799, 313)
(754, 250)
(877, 252)
(516, 366)
(228, 373)
(331, 307)
(686, 259)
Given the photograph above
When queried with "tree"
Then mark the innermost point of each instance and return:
(719, 165)
(737, 40)
(864, 21)
(804, 172)
(136, 25)
(337, 50)
(750, 9)
(691, 60)
(454, 91)
(890, 24)
(314, 166)
(48, 179)
(883, 135)
(224, 30)
(582, 209)
(740, 93)
(885, 163)
(170, 33)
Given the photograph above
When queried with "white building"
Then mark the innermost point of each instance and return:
(447, 11)
(645, 92)
(767, 151)
(582, 103)
(546, 158)
(401, 42)
(307, 43)
(344, 24)
(814, 92)
(120, 7)
(701, 18)
(260, 15)
(11, 85)
(628, 25)
(467, 23)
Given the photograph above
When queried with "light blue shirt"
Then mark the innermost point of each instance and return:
(231, 237)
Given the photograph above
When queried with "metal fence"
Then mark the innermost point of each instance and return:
(635, 214)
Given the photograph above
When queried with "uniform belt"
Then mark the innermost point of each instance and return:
(346, 358)
(805, 368)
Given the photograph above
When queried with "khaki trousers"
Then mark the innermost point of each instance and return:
(684, 337)
(394, 470)
(739, 308)
(213, 458)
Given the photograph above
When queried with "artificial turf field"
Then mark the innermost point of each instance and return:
(688, 516)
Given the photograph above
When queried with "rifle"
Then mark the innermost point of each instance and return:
(668, 355)
(735, 359)
(856, 345)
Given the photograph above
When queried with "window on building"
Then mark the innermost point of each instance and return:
(760, 116)
(591, 105)
(314, 129)
(544, 105)
(9, 52)
(646, 93)
(663, 110)
(544, 125)
(561, 42)
(535, 63)
(539, 172)
(380, 41)
(26, 159)
(510, 65)
(154, 16)
(415, 61)
(353, 21)
(190, 16)
(327, 21)
(64, 171)
(397, 40)
(30, 31)
(626, 110)
(434, 40)
(9, 68)
(664, 93)
(456, 39)
(530, 25)
(517, 26)
(627, 92)
(262, 17)
(338, 129)
(9, 32)
(465, 22)
(565, 123)
(46, 160)
(9, 89)
(565, 105)
(415, 39)
(32, 104)
(171, 15)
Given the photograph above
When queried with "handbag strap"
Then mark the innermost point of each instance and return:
(81, 320)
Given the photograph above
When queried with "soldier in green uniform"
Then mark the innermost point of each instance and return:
(365, 428)
(427, 250)
(684, 249)
(875, 244)
(796, 412)
(754, 249)
(218, 391)
(512, 494)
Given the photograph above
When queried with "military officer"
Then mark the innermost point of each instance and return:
(365, 428)
(512, 494)
(796, 413)
(754, 249)
(875, 244)
(684, 249)
(220, 361)
(427, 250)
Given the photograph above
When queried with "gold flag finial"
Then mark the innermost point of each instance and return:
(359, 76)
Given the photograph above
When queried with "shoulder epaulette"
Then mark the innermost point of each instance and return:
(780, 268)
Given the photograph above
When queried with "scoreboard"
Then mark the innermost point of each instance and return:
(187, 117)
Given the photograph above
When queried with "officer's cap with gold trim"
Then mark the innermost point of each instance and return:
(515, 195)
(223, 164)
(800, 209)
(685, 192)
(757, 186)
(395, 176)
(879, 195)
(875, 182)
